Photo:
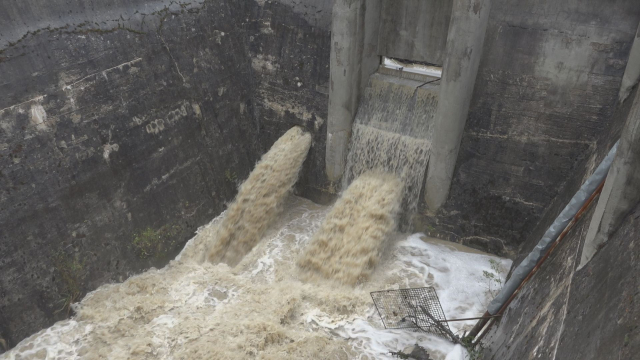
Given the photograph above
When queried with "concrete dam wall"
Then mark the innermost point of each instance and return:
(127, 125)
(525, 131)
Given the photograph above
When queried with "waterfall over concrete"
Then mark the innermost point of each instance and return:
(392, 133)
(347, 247)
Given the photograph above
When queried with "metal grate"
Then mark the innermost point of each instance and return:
(417, 308)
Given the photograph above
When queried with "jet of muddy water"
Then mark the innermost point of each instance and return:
(260, 198)
(348, 245)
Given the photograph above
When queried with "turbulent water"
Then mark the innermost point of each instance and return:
(264, 307)
(260, 198)
(348, 245)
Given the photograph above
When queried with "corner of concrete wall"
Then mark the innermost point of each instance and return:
(621, 191)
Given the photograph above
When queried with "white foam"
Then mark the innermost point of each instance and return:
(456, 275)
(458, 279)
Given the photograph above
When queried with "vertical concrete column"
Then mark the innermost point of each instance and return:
(465, 40)
(370, 57)
(632, 72)
(347, 42)
(621, 191)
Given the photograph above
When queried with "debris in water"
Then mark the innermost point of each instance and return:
(415, 352)
(417, 308)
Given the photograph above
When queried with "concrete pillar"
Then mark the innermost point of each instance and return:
(347, 40)
(370, 57)
(621, 191)
(632, 72)
(465, 40)
(354, 40)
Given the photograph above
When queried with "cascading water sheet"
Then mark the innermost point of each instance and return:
(392, 133)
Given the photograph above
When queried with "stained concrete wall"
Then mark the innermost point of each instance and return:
(118, 117)
(536, 320)
(545, 92)
(347, 42)
(354, 32)
(603, 311)
(415, 29)
(564, 313)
